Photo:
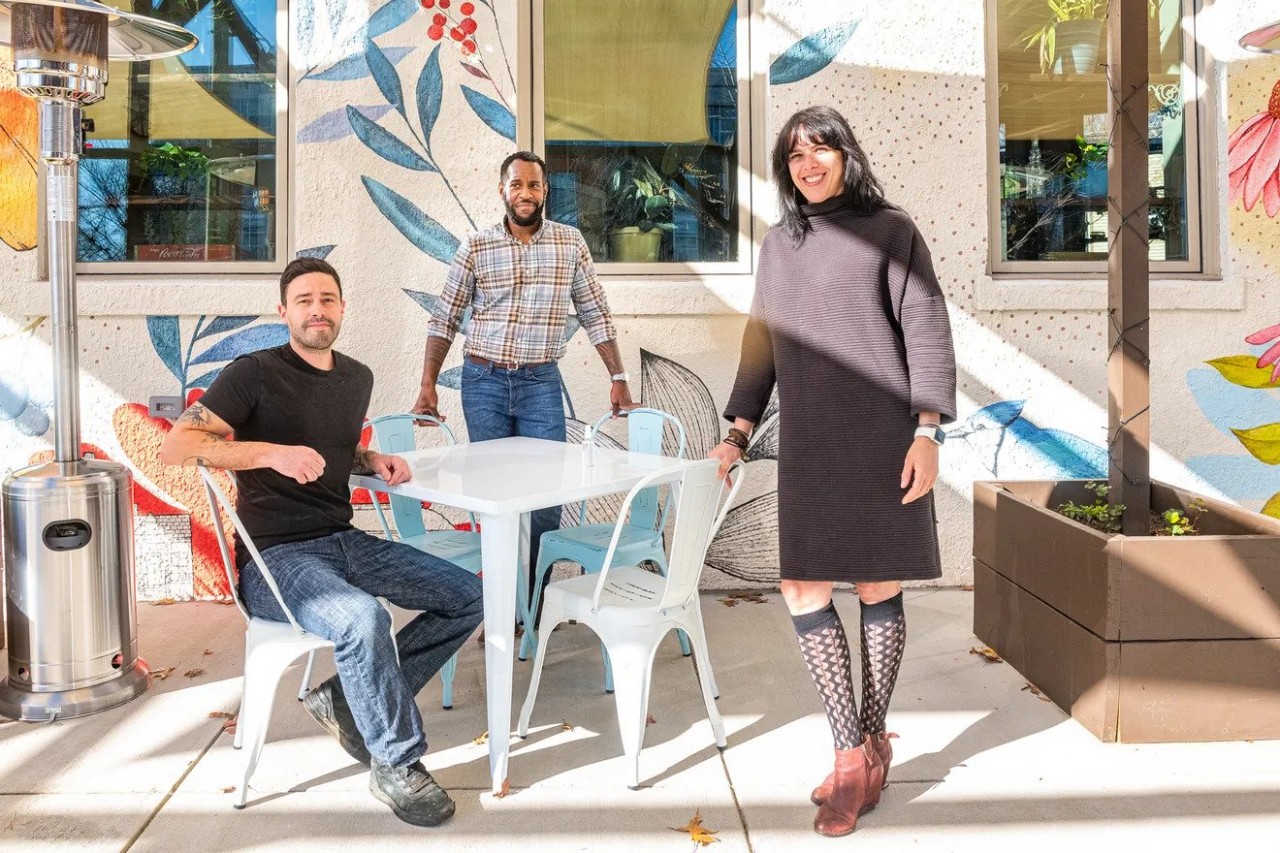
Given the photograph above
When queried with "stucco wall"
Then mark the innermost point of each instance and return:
(913, 84)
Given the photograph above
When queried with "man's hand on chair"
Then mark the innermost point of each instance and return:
(394, 469)
(428, 404)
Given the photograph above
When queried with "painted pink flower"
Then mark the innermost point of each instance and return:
(1272, 355)
(1253, 158)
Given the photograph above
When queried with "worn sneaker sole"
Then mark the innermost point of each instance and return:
(407, 817)
(359, 753)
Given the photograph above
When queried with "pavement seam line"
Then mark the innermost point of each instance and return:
(742, 817)
(164, 801)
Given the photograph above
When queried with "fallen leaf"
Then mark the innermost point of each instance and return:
(208, 652)
(1035, 691)
(220, 715)
(192, 673)
(229, 727)
(481, 740)
(649, 720)
(161, 602)
(224, 601)
(506, 787)
(230, 789)
(162, 673)
(566, 726)
(697, 832)
(967, 587)
(753, 597)
(729, 602)
(988, 654)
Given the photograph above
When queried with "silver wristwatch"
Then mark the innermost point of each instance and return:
(933, 432)
(620, 377)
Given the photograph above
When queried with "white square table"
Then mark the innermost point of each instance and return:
(502, 481)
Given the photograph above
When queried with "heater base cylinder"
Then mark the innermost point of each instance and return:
(21, 704)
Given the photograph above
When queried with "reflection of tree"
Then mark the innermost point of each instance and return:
(103, 210)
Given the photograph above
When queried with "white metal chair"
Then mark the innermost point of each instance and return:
(631, 610)
(270, 647)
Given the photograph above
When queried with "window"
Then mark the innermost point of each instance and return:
(1052, 125)
(182, 164)
(641, 118)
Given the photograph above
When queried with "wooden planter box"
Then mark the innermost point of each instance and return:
(1141, 639)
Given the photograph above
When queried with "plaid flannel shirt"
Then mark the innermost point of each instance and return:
(519, 294)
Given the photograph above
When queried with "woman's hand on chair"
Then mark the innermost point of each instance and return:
(726, 454)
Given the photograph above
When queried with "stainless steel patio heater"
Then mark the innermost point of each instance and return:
(68, 524)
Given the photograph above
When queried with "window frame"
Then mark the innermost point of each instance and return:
(1203, 204)
(752, 70)
(283, 226)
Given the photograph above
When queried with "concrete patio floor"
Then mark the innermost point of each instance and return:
(982, 764)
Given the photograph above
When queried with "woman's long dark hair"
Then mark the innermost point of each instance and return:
(822, 126)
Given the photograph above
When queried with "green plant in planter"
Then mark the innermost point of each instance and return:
(1106, 516)
(175, 170)
(1076, 166)
(1043, 38)
(641, 197)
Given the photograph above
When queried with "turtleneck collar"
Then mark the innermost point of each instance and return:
(835, 204)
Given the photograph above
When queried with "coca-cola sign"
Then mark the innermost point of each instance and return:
(185, 252)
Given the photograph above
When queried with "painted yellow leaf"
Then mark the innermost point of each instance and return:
(1243, 370)
(1263, 442)
(1272, 507)
(697, 832)
(19, 161)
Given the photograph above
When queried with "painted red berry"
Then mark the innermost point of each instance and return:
(457, 34)
(427, 4)
(435, 33)
(444, 4)
(438, 19)
(467, 8)
(468, 26)
(468, 47)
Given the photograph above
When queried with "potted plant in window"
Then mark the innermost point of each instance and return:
(639, 212)
(1068, 41)
(175, 212)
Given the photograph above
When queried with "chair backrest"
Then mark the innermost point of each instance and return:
(644, 435)
(394, 434)
(219, 500)
(702, 502)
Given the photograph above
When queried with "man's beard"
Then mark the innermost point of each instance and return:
(524, 221)
(317, 337)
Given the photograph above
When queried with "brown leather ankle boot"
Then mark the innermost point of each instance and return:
(851, 791)
(880, 743)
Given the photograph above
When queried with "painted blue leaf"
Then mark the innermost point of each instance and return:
(247, 340)
(1227, 405)
(384, 74)
(317, 252)
(166, 339)
(451, 378)
(495, 115)
(811, 54)
(430, 94)
(205, 380)
(34, 421)
(381, 142)
(426, 300)
(418, 228)
(225, 324)
(1240, 477)
(13, 397)
(571, 326)
(392, 14)
(355, 67)
(335, 125)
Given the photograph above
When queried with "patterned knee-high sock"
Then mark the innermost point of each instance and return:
(884, 636)
(825, 649)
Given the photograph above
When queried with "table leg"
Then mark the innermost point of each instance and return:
(500, 552)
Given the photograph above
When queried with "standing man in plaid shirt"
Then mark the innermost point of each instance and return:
(519, 278)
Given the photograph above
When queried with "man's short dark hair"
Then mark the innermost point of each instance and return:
(302, 266)
(526, 156)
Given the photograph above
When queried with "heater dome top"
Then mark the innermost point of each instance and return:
(129, 36)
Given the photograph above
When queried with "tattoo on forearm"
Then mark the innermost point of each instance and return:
(195, 415)
(363, 462)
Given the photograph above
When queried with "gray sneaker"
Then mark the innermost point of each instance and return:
(328, 706)
(411, 793)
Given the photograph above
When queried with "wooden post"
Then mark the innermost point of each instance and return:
(1128, 265)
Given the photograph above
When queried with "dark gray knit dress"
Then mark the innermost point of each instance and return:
(852, 326)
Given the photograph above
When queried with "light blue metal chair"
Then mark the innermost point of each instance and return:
(640, 539)
(394, 434)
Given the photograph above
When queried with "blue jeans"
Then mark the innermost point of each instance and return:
(500, 403)
(330, 583)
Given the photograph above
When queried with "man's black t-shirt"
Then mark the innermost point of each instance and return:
(273, 395)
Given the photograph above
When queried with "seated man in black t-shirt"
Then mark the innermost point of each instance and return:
(297, 412)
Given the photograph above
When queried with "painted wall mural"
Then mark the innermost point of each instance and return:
(19, 161)
(1253, 158)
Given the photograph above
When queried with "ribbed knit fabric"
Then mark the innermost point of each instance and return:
(853, 327)
(825, 650)
(884, 637)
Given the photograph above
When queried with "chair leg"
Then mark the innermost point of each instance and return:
(264, 667)
(634, 657)
(608, 669)
(661, 560)
(703, 660)
(552, 618)
(306, 676)
(530, 639)
(446, 682)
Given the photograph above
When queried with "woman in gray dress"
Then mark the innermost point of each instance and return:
(849, 324)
